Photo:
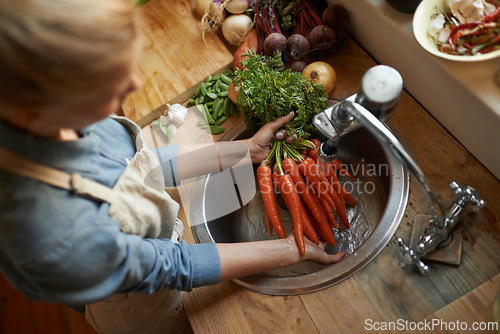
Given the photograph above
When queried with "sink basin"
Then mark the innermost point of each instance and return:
(227, 207)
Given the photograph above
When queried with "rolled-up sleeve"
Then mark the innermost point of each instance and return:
(110, 262)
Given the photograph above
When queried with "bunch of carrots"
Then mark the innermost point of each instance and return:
(314, 196)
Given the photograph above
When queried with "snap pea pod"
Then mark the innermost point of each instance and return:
(212, 95)
(221, 120)
(218, 106)
(200, 99)
(203, 89)
(212, 101)
(210, 119)
(225, 79)
(216, 129)
(227, 106)
(223, 87)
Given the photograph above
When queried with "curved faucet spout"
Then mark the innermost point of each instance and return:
(385, 136)
(380, 91)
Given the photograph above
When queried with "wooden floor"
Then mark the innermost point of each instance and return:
(20, 315)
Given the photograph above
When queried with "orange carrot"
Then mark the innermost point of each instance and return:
(290, 168)
(338, 166)
(338, 187)
(308, 169)
(269, 225)
(313, 154)
(339, 203)
(250, 42)
(329, 213)
(308, 228)
(264, 179)
(288, 191)
(323, 229)
(316, 142)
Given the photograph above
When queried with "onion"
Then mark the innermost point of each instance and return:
(236, 6)
(321, 73)
(213, 16)
(201, 6)
(235, 27)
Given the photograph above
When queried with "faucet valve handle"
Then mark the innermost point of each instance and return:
(466, 195)
(408, 257)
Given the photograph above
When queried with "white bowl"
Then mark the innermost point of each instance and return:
(421, 22)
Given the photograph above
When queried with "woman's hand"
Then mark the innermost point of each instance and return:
(315, 253)
(260, 144)
(262, 256)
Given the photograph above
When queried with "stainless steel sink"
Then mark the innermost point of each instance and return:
(227, 207)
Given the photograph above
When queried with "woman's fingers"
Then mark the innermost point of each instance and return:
(280, 121)
(316, 253)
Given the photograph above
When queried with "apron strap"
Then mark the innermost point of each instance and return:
(55, 177)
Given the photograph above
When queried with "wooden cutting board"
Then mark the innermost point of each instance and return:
(174, 55)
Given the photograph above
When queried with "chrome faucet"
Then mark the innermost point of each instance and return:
(380, 91)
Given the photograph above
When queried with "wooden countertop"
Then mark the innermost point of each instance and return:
(175, 58)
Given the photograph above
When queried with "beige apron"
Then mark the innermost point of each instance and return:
(144, 210)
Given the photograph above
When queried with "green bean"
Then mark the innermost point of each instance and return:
(209, 78)
(191, 101)
(223, 93)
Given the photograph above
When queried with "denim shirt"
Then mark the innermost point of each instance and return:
(56, 246)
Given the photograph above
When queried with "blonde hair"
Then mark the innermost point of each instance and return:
(55, 50)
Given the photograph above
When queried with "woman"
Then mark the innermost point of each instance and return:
(73, 223)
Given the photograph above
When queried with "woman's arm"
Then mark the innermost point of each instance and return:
(241, 259)
(199, 159)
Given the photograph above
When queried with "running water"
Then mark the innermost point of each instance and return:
(321, 166)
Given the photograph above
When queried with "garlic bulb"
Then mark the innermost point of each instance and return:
(175, 114)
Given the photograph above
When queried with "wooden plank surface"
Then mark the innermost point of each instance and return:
(379, 292)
